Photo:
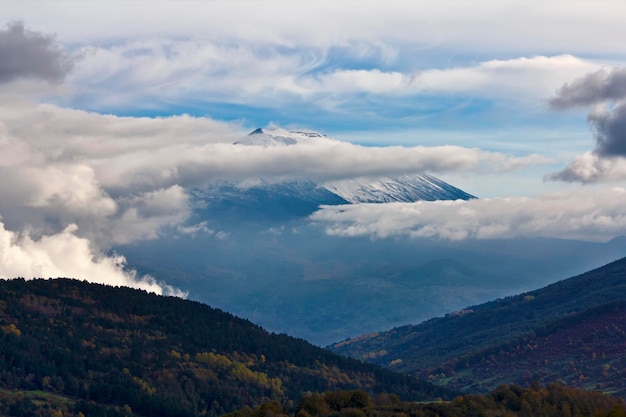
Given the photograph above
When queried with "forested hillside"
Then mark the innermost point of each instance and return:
(573, 331)
(102, 350)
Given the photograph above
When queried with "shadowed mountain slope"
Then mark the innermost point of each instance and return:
(572, 330)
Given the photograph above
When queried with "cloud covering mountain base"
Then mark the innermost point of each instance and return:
(585, 214)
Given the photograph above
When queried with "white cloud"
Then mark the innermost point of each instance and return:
(590, 168)
(201, 228)
(587, 214)
(66, 255)
(536, 77)
(158, 73)
(196, 166)
(143, 215)
(197, 69)
(507, 25)
(143, 155)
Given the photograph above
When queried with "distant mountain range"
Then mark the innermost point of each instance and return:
(573, 331)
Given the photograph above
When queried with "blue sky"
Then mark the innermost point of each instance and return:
(484, 94)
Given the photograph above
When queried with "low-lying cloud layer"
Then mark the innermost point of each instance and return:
(122, 179)
(73, 183)
(583, 214)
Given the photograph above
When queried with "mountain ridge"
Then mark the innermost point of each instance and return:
(451, 349)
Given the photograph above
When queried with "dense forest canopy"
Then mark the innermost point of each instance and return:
(164, 356)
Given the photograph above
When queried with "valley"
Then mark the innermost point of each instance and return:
(252, 249)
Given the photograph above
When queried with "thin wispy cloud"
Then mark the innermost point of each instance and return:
(161, 73)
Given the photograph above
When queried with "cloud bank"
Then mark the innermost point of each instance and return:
(74, 183)
(121, 179)
(43, 194)
(583, 214)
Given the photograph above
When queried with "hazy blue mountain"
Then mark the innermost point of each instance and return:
(294, 278)
(264, 260)
(263, 202)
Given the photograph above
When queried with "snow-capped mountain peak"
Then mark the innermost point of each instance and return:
(277, 136)
(405, 188)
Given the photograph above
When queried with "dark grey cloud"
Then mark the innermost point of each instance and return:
(597, 87)
(610, 131)
(28, 54)
(605, 88)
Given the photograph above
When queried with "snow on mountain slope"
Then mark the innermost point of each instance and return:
(406, 188)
